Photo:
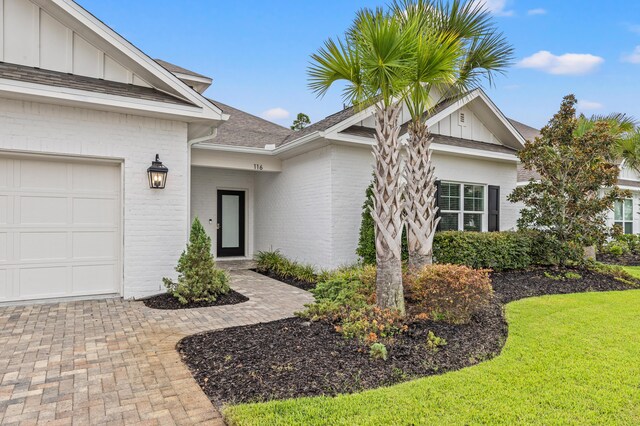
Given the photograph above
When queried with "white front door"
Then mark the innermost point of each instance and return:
(59, 228)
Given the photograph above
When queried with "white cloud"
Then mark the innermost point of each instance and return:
(634, 28)
(497, 7)
(567, 64)
(634, 57)
(276, 114)
(585, 105)
(538, 11)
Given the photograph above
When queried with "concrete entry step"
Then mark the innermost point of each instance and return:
(235, 264)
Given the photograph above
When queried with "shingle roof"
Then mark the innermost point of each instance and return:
(368, 132)
(89, 84)
(247, 130)
(528, 133)
(324, 124)
(173, 68)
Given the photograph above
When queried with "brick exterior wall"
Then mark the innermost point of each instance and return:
(155, 221)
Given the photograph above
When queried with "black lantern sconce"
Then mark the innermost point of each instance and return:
(157, 174)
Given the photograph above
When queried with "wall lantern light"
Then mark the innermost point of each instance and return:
(157, 174)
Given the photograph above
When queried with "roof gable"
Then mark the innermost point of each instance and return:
(61, 36)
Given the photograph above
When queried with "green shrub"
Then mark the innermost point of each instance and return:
(342, 291)
(274, 262)
(378, 351)
(199, 280)
(449, 292)
(434, 343)
(367, 241)
(494, 250)
(616, 248)
(632, 242)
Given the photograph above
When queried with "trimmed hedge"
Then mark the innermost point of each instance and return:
(481, 250)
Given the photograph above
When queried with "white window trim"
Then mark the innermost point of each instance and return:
(624, 221)
(484, 221)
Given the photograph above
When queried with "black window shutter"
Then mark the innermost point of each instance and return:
(438, 202)
(494, 208)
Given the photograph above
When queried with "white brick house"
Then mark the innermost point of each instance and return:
(83, 113)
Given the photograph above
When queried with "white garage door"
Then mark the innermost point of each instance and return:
(59, 228)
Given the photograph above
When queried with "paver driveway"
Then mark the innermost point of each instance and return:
(114, 361)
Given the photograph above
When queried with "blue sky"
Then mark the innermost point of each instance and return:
(257, 51)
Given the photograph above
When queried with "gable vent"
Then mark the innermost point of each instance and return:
(462, 118)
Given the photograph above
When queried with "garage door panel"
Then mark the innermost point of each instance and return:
(5, 171)
(35, 283)
(43, 246)
(60, 226)
(4, 283)
(94, 245)
(94, 211)
(43, 175)
(101, 181)
(4, 246)
(4, 209)
(43, 210)
(94, 279)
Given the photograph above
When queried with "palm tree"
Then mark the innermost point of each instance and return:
(373, 59)
(626, 132)
(457, 45)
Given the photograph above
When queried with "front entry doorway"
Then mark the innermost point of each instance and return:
(231, 223)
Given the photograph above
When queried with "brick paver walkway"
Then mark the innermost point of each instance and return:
(114, 361)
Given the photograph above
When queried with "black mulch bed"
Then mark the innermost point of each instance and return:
(625, 260)
(167, 301)
(294, 358)
(304, 285)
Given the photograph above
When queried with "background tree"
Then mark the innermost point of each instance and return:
(301, 121)
(625, 132)
(577, 183)
(457, 46)
(373, 60)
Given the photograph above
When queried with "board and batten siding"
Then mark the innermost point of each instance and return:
(32, 37)
(155, 221)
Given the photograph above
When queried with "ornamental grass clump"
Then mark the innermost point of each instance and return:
(199, 279)
(452, 293)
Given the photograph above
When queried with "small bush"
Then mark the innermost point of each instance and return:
(199, 279)
(371, 324)
(274, 262)
(630, 242)
(452, 293)
(342, 291)
(434, 343)
(616, 248)
(378, 351)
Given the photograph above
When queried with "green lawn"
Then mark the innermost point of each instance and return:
(633, 270)
(572, 359)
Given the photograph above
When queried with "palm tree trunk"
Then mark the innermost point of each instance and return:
(420, 197)
(387, 208)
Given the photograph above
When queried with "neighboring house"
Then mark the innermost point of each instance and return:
(624, 212)
(83, 114)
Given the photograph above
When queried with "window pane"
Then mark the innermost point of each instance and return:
(449, 222)
(628, 227)
(472, 222)
(617, 210)
(474, 198)
(628, 209)
(450, 196)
